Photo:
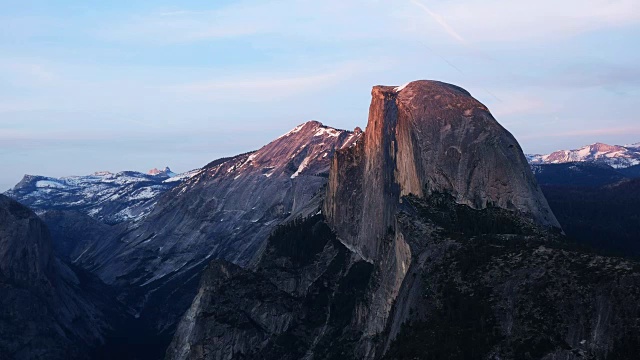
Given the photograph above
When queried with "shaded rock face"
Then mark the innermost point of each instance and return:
(26, 255)
(75, 234)
(47, 309)
(297, 303)
(422, 138)
(259, 309)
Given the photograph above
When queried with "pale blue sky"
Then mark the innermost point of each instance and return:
(131, 85)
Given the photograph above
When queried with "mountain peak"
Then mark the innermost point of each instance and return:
(311, 124)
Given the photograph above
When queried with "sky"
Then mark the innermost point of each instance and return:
(88, 86)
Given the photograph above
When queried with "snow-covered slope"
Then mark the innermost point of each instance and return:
(613, 155)
(108, 197)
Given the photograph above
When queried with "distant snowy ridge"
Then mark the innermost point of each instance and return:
(108, 197)
(613, 155)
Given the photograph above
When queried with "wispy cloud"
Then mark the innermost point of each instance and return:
(440, 20)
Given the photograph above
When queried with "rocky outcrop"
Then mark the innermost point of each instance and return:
(297, 303)
(245, 324)
(422, 138)
(74, 234)
(26, 255)
(48, 310)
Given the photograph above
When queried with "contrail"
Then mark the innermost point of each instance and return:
(440, 21)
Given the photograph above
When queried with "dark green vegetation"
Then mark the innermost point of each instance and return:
(301, 239)
(306, 282)
(508, 290)
(606, 218)
(480, 284)
(580, 174)
(597, 206)
(328, 304)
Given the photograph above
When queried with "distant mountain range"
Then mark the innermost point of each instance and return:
(616, 156)
(105, 196)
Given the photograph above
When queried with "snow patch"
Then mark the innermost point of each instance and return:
(50, 184)
(292, 131)
(327, 131)
(302, 166)
(183, 176)
(400, 88)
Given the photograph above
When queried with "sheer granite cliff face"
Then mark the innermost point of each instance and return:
(421, 138)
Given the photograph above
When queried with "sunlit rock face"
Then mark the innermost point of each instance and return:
(422, 138)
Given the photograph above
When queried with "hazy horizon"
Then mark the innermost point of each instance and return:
(132, 86)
